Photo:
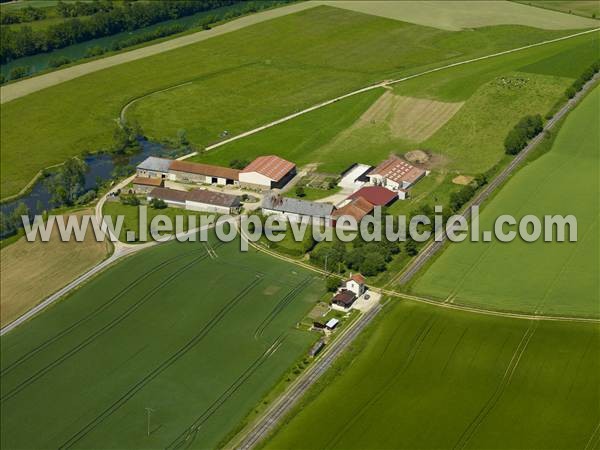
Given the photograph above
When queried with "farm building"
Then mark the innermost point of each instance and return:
(357, 208)
(143, 185)
(198, 200)
(395, 173)
(344, 298)
(209, 201)
(267, 172)
(294, 210)
(353, 288)
(376, 195)
(171, 197)
(203, 173)
(153, 167)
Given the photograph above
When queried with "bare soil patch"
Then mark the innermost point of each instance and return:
(463, 180)
(31, 271)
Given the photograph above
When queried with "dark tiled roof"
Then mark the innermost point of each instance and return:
(214, 198)
(344, 297)
(376, 195)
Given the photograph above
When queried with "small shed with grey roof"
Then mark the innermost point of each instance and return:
(153, 167)
(294, 209)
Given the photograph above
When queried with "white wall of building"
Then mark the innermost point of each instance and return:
(255, 178)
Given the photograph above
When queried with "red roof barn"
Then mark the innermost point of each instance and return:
(376, 195)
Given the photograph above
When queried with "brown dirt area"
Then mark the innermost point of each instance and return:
(31, 271)
(463, 180)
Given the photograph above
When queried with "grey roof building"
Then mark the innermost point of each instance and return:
(154, 164)
(275, 202)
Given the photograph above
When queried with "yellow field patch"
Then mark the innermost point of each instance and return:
(409, 118)
(31, 271)
(463, 180)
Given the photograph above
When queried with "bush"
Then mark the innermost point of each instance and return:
(238, 164)
(332, 283)
(19, 72)
(94, 51)
(300, 191)
(157, 203)
(130, 199)
(58, 61)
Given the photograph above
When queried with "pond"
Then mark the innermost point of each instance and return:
(77, 51)
(100, 166)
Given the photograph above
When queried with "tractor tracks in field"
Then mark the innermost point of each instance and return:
(188, 436)
(487, 408)
(93, 313)
(101, 331)
(189, 345)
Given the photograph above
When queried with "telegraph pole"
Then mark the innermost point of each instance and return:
(149, 411)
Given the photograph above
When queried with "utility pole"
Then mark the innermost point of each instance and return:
(149, 411)
(326, 256)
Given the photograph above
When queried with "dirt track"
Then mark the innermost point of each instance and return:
(30, 85)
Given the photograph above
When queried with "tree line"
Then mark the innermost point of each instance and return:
(128, 17)
(27, 14)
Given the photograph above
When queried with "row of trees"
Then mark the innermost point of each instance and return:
(130, 16)
(67, 184)
(527, 128)
(582, 79)
(27, 14)
(76, 9)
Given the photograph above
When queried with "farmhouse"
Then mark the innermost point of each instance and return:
(353, 288)
(153, 167)
(267, 172)
(395, 174)
(198, 200)
(357, 208)
(294, 210)
(143, 185)
(203, 173)
(376, 195)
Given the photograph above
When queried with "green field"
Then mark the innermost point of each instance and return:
(426, 377)
(473, 140)
(198, 340)
(553, 278)
(238, 81)
(131, 219)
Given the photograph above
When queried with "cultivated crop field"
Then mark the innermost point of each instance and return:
(426, 377)
(541, 277)
(238, 81)
(198, 339)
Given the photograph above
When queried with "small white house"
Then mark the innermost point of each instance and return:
(356, 284)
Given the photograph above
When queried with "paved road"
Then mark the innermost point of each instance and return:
(435, 246)
(291, 396)
(21, 88)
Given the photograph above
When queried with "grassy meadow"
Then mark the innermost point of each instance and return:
(427, 377)
(585, 8)
(199, 340)
(551, 278)
(238, 81)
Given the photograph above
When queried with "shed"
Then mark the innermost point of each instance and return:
(332, 323)
(267, 172)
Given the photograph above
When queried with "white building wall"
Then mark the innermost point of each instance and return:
(255, 178)
(205, 207)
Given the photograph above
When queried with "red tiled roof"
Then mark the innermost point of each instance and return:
(397, 170)
(357, 208)
(358, 278)
(376, 195)
(145, 181)
(205, 169)
(270, 166)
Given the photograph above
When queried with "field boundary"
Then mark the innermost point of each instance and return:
(436, 245)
